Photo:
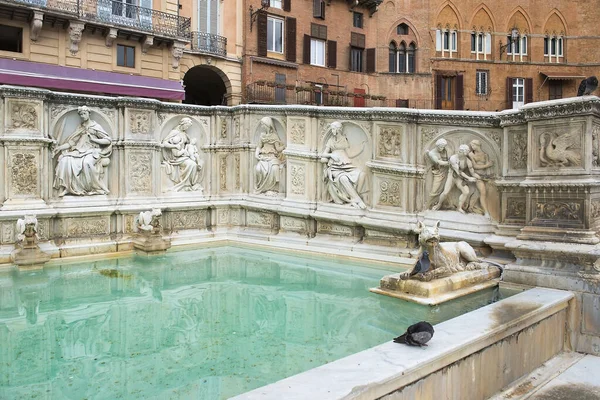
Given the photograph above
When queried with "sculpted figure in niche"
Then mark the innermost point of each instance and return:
(269, 153)
(460, 174)
(481, 163)
(181, 158)
(82, 159)
(438, 156)
(343, 180)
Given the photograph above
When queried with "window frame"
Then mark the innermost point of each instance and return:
(521, 46)
(478, 82)
(558, 43)
(273, 4)
(271, 47)
(360, 17)
(518, 83)
(20, 39)
(314, 42)
(125, 58)
(446, 40)
(359, 66)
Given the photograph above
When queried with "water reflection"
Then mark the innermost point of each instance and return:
(207, 324)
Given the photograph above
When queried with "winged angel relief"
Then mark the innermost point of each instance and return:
(559, 150)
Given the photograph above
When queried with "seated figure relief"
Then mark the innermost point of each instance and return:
(83, 159)
(269, 156)
(344, 181)
(181, 158)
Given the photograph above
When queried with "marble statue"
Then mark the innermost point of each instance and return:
(181, 158)
(446, 258)
(342, 179)
(438, 157)
(27, 230)
(460, 174)
(269, 153)
(149, 221)
(83, 158)
(481, 164)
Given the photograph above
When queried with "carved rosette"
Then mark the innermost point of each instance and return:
(24, 173)
(390, 192)
(297, 131)
(298, 177)
(140, 172)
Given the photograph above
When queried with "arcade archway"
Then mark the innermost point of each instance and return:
(205, 86)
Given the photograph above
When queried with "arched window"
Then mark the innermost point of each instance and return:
(392, 67)
(402, 58)
(402, 29)
(410, 59)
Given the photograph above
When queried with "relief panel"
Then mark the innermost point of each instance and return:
(558, 146)
(23, 173)
(140, 172)
(389, 142)
(23, 116)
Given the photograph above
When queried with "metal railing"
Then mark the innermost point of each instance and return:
(118, 13)
(209, 43)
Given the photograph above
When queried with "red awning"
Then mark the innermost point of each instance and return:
(25, 73)
(563, 76)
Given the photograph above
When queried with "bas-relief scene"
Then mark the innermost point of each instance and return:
(460, 171)
(269, 169)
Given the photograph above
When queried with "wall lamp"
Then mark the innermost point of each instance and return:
(514, 36)
(264, 4)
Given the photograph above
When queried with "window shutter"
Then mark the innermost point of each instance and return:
(528, 90)
(509, 96)
(317, 9)
(290, 39)
(306, 50)
(370, 60)
(460, 93)
(287, 5)
(332, 54)
(261, 29)
(438, 92)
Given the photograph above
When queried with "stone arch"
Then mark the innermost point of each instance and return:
(280, 127)
(66, 121)
(448, 17)
(482, 19)
(555, 24)
(519, 19)
(413, 32)
(196, 131)
(206, 85)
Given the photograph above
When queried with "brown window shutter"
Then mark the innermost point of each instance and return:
(287, 5)
(370, 60)
(290, 39)
(460, 93)
(317, 9)
(528, 90)
(261, 29)
(332, 54)
(509, 95)
(438, 92)
(306, 50)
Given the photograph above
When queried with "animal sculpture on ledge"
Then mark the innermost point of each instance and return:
(149, 221)
(437, 259)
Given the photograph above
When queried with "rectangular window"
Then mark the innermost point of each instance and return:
(125, 56)
(275, 3)
(318, 94)
(356, 59)
(275, 35)
(11, 38)
(445, 40)
(317, 52)
(481, 82)
(518, 91)
(518, 47)
(357, 20)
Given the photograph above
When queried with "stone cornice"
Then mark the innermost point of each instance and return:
(585, 105)
(301, 154)
(20, 139)
(227, 147)
(19, 91)
(130, 143)
(394, 169)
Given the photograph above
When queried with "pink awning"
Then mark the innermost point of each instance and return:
(25, 73)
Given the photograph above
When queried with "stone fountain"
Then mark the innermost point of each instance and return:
(149, 237)
(27, 253)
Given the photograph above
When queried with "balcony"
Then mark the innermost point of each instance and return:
(121, 14)
(117, 13)
(209, 43)
(262, 92)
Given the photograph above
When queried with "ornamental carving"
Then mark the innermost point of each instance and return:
(223, 172)
(559, 210)
(223, 216)
(390, 193)
(140, 172)
(23, 116)
(236, 127)
(298, 176)
(328, 227)
(188, 219)
(237, 163)
(24, 174)
(75, 31)
(235, 217)
(595, 209)
(87, 226)
(560, 150)
(390, 142)
(515, 208)
(223, 128)
(260, 219)
(293, 224)
(495, 137)
(518, 156)
(57, 109)
(427, 134)
(297, 132)
(8, 232)
(43, 229)
(140, 122)
(596, 146)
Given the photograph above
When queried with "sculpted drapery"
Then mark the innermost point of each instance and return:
(269, 153)
(181, 158)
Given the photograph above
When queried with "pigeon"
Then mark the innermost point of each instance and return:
(416, 335)
(587, 86)
(422, 264)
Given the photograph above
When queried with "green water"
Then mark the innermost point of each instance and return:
(204, 324)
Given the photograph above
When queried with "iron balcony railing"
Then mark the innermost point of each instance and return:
(209, 43)
(119, 13)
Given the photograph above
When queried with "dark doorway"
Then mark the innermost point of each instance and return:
(204, 86)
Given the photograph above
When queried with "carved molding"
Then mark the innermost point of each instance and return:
(24, 173)
(395, 169)
(140, 122)
(390, 142)
(298, 177)
(390, 192)
(140, 172)
(301, 154)
(518, 152)
(297, 131)
(36, 25)
(75, 30)
(147, 43)
(111, 35)
(516, 208)
(177, 52)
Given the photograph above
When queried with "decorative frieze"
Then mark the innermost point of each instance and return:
(390, 142)
(558, 210)
(192, 219)
(298, 177)
(260, 219)
(84, 226)
(334, 229)
(516, 208)
(23, 167)
(298, 131)
(140, 172)
(293, 224)
(517, 157)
